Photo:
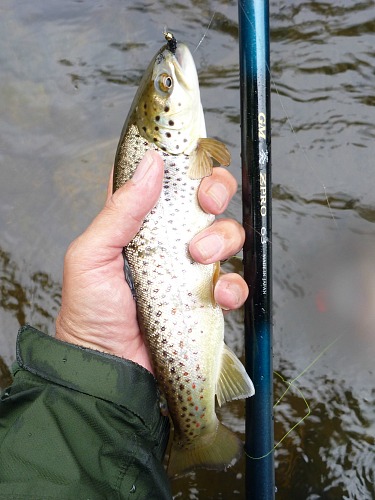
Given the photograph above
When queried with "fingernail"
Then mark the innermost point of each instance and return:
(219, 194)
(143, 167)
(209, 246)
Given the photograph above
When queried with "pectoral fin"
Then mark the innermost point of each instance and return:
(233, 382)
(201, 160)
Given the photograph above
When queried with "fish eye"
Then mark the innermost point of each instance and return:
(165, 82)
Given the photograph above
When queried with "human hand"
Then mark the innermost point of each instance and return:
(98, 310)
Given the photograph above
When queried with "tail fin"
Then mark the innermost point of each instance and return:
(218, 450)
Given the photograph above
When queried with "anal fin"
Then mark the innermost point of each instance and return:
(233, 381)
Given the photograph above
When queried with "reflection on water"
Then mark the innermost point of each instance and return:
(69, 71)
(33, 298)
(331, 454)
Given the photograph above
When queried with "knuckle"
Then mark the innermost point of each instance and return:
(232, 229)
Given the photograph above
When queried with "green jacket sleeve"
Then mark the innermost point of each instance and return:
(80, 424)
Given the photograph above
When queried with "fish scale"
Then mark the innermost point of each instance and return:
(177, 313)
(175, 305)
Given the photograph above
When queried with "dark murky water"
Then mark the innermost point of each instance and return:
(69, 71)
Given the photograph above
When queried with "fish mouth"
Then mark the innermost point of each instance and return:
(185, 67)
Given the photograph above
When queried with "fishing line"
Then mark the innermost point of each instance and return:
(291, 383)
(302, 149)
(205, 33)
(291, 127)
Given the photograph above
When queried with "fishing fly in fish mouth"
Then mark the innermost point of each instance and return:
(182, 324)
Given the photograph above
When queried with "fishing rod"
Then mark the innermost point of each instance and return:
(256, 202)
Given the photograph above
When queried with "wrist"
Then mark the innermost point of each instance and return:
(132, 349)
(69, 331)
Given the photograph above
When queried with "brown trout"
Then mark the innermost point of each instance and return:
(182, 324)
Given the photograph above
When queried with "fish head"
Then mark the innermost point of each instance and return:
(169, 112)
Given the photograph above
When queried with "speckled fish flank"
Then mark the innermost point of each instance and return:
(182, 324)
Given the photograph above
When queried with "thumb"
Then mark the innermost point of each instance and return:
(122, 216)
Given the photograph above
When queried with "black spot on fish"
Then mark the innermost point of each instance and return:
(168, 134)
(171, 123)
(156, 128)
(159, 58)
(157, 118)
(166, 109)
